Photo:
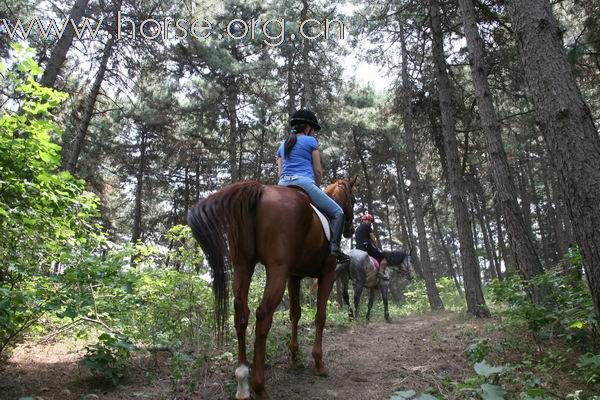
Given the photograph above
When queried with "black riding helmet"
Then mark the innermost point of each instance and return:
(305, 117)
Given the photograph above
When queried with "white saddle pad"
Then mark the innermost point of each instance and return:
(324, 222)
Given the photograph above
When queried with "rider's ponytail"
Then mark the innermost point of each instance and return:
(289, 142)
(292, 138)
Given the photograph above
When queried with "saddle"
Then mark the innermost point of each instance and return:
(374, 262)
(324, 220)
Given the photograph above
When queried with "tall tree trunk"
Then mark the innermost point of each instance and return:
(404, 205)
(139, 187)
(501, 243)
(400, 211)
(59, 54)
(524, 252)
(88, 111)
(435, 301)
(437, 227)
(473, 293)
(186, 191)
(545, 240)
(197, 179)
(476, 239)
(566, 124)
(291, 89)
(477, 201)
(554, 205)
(261, 144)
(232, 102)
(369, 187)
(306, 98)
(388, 225)
(525, 200)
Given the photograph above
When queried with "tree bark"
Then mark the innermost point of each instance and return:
(291, 89)
(368, 185)
(566, 124)
(545, 240)
(232, 102)
(473, 293)
(88, 111)
(523, 247)
(59, 54)
(306, 98)
(435, 301)
(139, 188)
(437, 227)
(501, 243)
(404, 205)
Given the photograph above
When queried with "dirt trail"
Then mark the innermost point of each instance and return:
(366, 361)
(373, 361)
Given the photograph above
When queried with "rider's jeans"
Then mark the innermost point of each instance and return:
(323, 202)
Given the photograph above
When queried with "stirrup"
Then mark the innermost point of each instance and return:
(341, 256)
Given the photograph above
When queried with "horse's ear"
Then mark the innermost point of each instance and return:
(353, 180)
(333, 180)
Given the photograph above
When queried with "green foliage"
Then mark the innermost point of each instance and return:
(417, 301)
(170, 308)
(411, 394)
(566, 308)
(46, 217)
(484, 369)
(178, 363)
(484, 384)
(108, 358)
(477, 350)
(588, 367)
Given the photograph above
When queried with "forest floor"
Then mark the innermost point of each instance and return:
(366, 361)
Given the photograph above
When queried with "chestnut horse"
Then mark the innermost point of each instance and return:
(248, 222)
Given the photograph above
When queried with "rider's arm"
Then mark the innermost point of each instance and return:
(373, 239)
(279, 167)
(316, 164)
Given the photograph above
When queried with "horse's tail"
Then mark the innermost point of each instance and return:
(217, 223)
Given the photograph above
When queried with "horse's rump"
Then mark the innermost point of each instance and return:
(271, 224)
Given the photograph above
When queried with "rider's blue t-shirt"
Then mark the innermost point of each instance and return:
(299, 161)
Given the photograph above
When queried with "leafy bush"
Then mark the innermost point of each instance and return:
(45, 215)
(477, 350)
(566, 309)
(588, 367)
(417, 301)
(108, 358)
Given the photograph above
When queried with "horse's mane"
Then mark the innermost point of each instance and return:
(395, 257)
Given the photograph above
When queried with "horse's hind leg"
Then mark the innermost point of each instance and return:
(370, 305)
(241, 284)
(358, 288)
(325, 285)
(295, 313)
(384, 296)
(274, 288)
(343, 282)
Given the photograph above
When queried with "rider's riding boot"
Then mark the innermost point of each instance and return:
(383, 272)
(337, 226)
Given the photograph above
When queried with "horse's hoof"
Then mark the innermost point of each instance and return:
(292, 366)
(263, 396)
(322, 372)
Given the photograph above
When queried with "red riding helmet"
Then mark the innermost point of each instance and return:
(366, 217)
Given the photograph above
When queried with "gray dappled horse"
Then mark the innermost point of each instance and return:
(357, 269)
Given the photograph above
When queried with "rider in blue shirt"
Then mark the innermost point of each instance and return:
(299, 164)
